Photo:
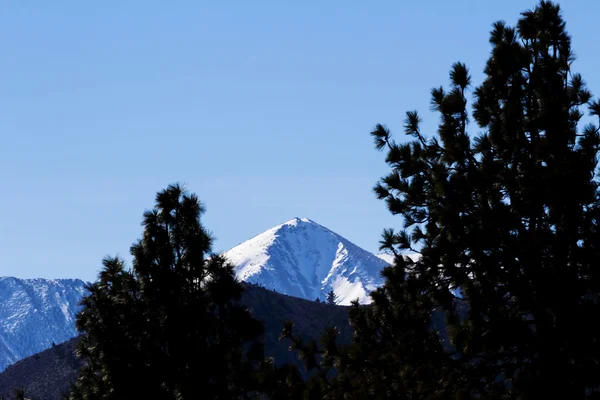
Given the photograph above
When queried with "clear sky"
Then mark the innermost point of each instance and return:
(262, 108)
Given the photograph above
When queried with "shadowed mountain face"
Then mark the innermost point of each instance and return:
(47, 374)
(304, 259)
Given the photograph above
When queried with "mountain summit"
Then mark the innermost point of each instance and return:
(304, 259)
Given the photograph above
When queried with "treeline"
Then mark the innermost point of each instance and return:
(501, 203)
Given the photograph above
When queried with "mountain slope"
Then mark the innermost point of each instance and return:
(34, 313)
(46, 375)
(304, 259)
(300, 258)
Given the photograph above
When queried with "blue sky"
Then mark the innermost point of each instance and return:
(262, 108)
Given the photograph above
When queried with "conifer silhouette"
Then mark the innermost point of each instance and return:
(170, 327)
(502, 204)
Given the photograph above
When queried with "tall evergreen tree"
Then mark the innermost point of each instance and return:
(508, 217)
(503, 301)
(171, 326)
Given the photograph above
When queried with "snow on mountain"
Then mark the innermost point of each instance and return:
(389, 257)
(300, 258)
(34, 313)
(304, 259)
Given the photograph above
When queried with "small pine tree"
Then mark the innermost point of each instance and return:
(317, 300)
(171, 327)
(332, 298)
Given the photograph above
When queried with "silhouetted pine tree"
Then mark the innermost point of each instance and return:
(395, 353)
(506, 220)
(331, 298)
(170, 327)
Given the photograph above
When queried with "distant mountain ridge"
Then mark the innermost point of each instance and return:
(304, 259)
(298, 258)
(34, 313)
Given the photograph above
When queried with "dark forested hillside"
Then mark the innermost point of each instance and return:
(47, 374)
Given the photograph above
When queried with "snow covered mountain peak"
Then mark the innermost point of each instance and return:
(304, 259)
(297, 220)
